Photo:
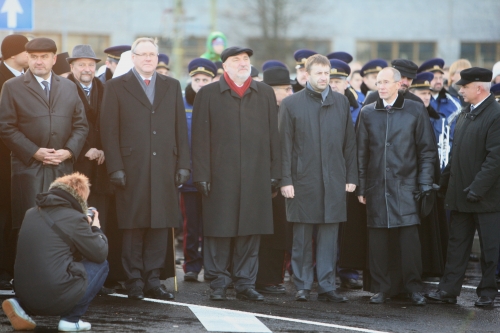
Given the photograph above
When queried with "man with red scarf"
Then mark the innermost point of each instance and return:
(236, 164)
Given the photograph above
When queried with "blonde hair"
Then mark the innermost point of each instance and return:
(316, 59)
(78, 182)
(144, 40)
(460, 63)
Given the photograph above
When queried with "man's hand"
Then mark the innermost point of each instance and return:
(203, 187)
(288, 191)
(41, 153)
(350, 187)
(362, 199)
(95, 222)
(118, 178)
(471, 196)
(57, 157)
(95, 154)
(181, 176)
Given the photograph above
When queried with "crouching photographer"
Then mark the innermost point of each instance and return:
(61, 258)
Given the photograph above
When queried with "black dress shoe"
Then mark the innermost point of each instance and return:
(218, 294)
(275, 289)
(106, 291)
(250, 294)
(332, 296)
(441, 296)
(484, 301)
(378, 298)
(302, 295)
(160, 292)
(5, 285)
(351, 284)
(209, 277)
(135, 293)
(417, 299)
(191, 277)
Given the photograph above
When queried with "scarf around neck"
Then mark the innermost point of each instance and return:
(239, 90)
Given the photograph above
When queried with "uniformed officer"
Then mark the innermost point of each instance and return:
(113, 56)
(339, 72)
(369, 74)
(340, 55)
(495, 90)
(300, 58)
(273, 63)
(162, 67)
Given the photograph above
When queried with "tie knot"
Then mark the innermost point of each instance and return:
(45, 84)
(87, 90)
(147, 82)
(388, 107)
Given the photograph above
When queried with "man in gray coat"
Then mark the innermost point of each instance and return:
(318, 167)
(396, 156)
(43, 124)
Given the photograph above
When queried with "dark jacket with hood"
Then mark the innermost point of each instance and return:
(50, 280)
(396, 153)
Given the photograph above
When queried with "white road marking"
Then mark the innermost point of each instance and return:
(307, 322)
(466, 287)
(219, 320)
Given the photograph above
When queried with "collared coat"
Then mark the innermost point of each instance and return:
(28, 121)
(475, 160)
(396, 153)
(318, 155)
(235, 147)
(149, 142)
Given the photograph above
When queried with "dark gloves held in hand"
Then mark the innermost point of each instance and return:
(181, 177)
(471, 196)
(275, 185)
(203, 187)
(118, 178)
(425, 190)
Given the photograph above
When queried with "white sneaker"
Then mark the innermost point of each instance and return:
(66, 326)
(17, 317)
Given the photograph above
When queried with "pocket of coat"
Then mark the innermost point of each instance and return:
(175, 151)
(407, 203)
(126, 151)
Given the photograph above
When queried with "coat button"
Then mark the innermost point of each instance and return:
(387, 169)
(154, 153)
(387, 144)
(152, 111)
(154, 132)
(52, 133)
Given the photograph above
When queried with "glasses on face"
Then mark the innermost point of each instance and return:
(146, 55)
(384, 83)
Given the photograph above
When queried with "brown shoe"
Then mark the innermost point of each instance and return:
(17, 317)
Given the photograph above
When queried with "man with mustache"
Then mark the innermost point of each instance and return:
(236, 165)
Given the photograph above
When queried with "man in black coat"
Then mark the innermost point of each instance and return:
(472, 184)
(396, 156)
(236, 162)
(144, 138)
(319, 166)
(15, 60)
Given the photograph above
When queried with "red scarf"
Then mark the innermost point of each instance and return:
(239, 90)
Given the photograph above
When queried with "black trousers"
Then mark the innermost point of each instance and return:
(193, 231)
(8, 241)
(462, 230)
(143, 256)
(245, 259)
(379, 256)
(271, 266)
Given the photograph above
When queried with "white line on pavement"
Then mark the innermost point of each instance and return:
(466, 287)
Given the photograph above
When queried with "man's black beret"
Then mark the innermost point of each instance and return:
(406, 67)
(474, 74)
(41, 44)
(235, 50)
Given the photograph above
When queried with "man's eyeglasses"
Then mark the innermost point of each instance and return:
(146, 55)
(384, 83)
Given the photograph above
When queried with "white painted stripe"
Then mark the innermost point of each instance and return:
(7, 292)
(219, 320)
(466, 287)
(307, 322)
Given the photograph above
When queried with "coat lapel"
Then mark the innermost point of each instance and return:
(161, 87)
(55, 91)
(133, 86)
(34, 86)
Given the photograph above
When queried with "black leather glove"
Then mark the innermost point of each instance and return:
(471, 196)
(275, 185)
(181, 176)
(118, 178)
(203, 187)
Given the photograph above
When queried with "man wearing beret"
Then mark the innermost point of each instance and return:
(472, 184)
(236, 165)
(15, 60)
(201, 71)
(319, 166)
(43, 123)
(144, 138)
(408, 70)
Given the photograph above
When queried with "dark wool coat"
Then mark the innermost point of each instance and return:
(5, 74)
(235, 147)
(475, 160)
(396, 153)
(150, 143)
(318, 155)
(50, 280)
(28, 121)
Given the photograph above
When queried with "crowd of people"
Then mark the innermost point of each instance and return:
(384, 169)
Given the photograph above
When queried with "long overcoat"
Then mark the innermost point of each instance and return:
(318, 155)
(28, 121)
(235, 147)
(396, 153)
(149, 142)
(475, 160)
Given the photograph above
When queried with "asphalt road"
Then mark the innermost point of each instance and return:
(283, 314)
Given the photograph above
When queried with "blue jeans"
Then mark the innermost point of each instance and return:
(96, 275)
